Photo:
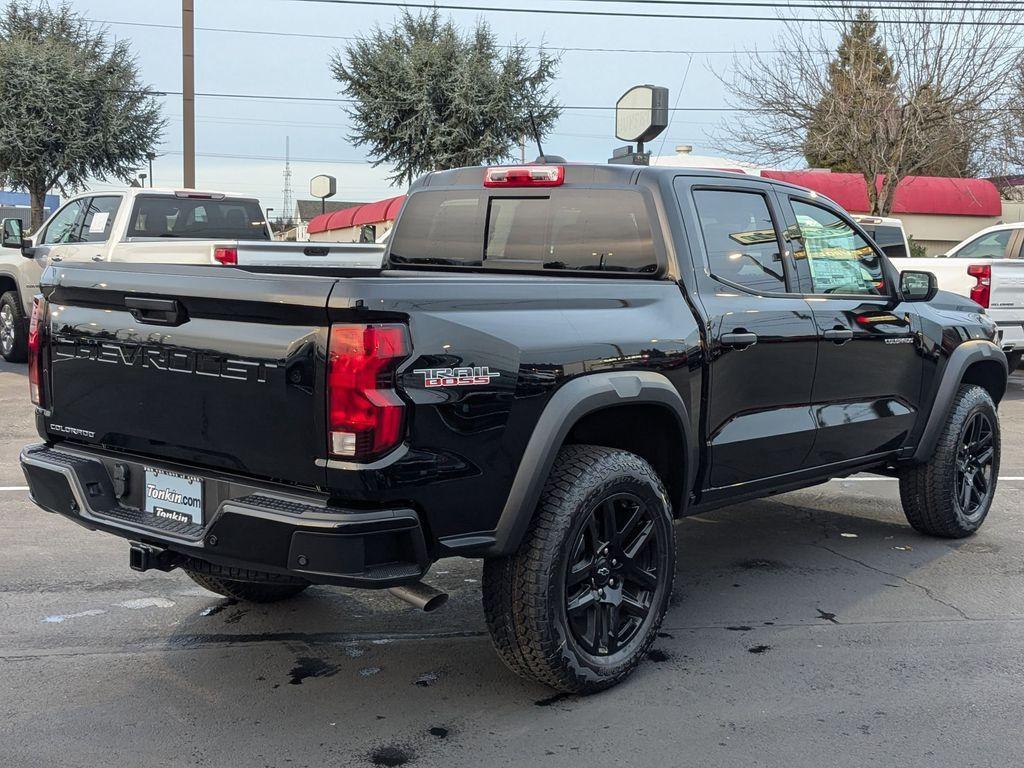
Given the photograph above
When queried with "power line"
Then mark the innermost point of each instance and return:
(564, 107)
(632, 15)
(558, 48)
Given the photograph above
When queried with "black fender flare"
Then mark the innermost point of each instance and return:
(965, 355)
(570, 403)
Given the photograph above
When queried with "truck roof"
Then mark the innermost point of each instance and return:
(163, 191)
(597, 173)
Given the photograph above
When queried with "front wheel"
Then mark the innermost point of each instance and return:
(579, 605)
(950, 495)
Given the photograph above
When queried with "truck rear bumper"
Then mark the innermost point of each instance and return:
(1011, 334)
(247, 526)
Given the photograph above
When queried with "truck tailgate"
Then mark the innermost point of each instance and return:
(200, 365)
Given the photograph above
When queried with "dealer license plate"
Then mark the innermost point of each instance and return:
(175, 497)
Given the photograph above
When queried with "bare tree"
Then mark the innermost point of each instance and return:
(941, 107)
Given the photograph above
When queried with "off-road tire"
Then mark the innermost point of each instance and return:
(250, 586)
(928, 491)
(524, 594)
(18, 352)
(1013, 360)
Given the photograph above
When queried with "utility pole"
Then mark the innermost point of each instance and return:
(286, 203)
(188, 91)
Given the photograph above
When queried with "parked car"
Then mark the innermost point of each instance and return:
(888, 234)
(988, 268)
(556, 362)
(148, 225)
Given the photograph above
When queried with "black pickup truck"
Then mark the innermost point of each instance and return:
(555, 362)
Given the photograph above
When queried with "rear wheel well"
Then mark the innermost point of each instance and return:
(7, 284)
(652, 432)
(989, 375)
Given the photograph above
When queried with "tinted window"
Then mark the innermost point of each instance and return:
(155, 216)
(839, 259)
(888, 238)
(99, 219)
(65, 226)
(990, 246)
(740, 239)
(599, 230)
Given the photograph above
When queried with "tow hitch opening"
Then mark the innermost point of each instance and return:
(146, 557)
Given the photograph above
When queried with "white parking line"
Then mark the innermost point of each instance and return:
(13, 487)
(891, 479)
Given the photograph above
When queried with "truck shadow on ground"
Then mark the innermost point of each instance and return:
(749, 578)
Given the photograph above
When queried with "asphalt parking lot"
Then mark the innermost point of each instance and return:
(813, 629)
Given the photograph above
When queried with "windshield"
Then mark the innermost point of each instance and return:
(889, 238)
(605, 230)
(170, 216)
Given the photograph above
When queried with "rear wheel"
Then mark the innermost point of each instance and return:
(951, 494)
(1013, 360)
(581, 602)
(13, 329)
(266, 590)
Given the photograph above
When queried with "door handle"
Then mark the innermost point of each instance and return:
(738, 339)
(838, 335)
(56, 258)
(97, 258)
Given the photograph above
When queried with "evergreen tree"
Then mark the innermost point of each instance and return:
(428, 97)
(860, 72)
(73, 105)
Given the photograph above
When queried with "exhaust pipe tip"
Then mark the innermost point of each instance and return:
(420, 595)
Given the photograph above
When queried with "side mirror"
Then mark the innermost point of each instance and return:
(12, 233)
(918, 286)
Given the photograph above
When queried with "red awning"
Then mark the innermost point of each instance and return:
(357, 215)
(915, 194)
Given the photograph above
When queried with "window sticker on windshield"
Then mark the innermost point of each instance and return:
(99, 222)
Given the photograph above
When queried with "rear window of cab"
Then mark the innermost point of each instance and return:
(580, 230)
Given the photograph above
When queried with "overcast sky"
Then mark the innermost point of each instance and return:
(294, 62)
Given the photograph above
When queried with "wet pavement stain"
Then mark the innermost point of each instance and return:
(427, 680)
(236, 617)
(761, 564)
(827, 616)
(391, 755)
(759, 649)
(665, 635)
(657, 655)
(563, 696)
(439, 732)
(308, 666)
(739, 628)
(213, 610)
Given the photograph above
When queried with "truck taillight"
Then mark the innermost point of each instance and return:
(365, 415)
(36, 335)
(225, 255)
(525, 176)
(982, 290)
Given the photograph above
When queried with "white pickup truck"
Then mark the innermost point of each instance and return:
(149, 225)
(987, 267)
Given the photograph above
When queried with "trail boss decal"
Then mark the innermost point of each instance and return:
(456, 377)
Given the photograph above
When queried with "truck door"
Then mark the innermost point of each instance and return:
(62, 229)
(760, 333)
(94, 230)
(868, 379)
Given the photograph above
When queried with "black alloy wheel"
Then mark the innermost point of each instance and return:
(612, 574)
(974, 460)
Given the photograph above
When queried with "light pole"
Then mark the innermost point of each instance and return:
(142, 176)
(151, 156)
(268, 221)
